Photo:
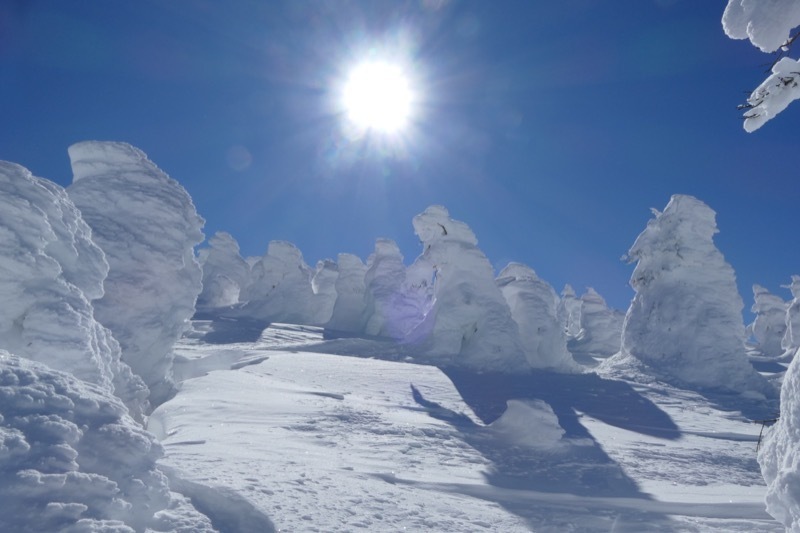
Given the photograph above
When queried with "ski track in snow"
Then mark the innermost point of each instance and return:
(265, 434)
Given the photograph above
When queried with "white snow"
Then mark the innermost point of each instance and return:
(323, 284)
(685, 322)
(350, 305)
(147, 226)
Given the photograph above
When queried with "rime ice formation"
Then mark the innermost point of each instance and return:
(534, 307)
(685, 320)
(779, 454)
(791, 339)
(147, 226)
(224, 272)
(50, 269)
(469, 323)
(396, 298)
(280, 286)
(569, 312)
(769, 325)
(601, 327)
(323, 284)
(529, 424)
(349, 307)
(71, 459)
(768, 25)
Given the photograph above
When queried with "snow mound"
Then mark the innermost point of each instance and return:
(224, 272)
(147, 226)
(50, 269)
(769, 326)
(530, 424)
(71, 459)
(779, 454)
(280, 286)
(469, 322)
(349, 307)
(601, 327)
(767, 24)
(534, 307)
(685, 321)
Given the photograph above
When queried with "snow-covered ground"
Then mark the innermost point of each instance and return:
(292, 431)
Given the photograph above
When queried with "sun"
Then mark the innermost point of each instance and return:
(377, 96)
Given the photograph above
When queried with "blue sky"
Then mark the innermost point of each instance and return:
(550, 128)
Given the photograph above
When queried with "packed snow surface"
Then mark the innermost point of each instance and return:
(297, 438)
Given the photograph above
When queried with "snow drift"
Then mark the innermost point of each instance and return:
(685, 321)
(147, 226)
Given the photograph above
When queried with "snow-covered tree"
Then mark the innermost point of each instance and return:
(348, 310)
(601, 327)
(280, 286)
(224, 272)
(769, 325)
(534, 307)
(791, 339)
(395, 303)
(685, 321)
(569, 312)
(768, 25)
(323, 284)
(50, 271)
(469, 323)
(147, 226)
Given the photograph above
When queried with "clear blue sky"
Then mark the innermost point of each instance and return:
(550, 128)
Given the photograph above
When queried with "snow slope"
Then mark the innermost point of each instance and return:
(296, 438)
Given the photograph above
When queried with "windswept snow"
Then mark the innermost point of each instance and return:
(147, 226)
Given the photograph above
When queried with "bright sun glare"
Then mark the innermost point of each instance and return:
(377, 96)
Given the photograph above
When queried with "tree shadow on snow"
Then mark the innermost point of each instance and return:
(577, 467)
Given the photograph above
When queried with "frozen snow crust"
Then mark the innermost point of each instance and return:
(147, 226)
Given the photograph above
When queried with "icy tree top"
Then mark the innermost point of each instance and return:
(767, 23)
(795, 287)
(435, 225)
(681, 234)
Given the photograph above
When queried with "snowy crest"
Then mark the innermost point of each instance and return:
(685, 320)
(224, 272)
(534, 307)
(50, 270)
(349, 307)
(280, 286)
(469, 322)
(147, 226)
